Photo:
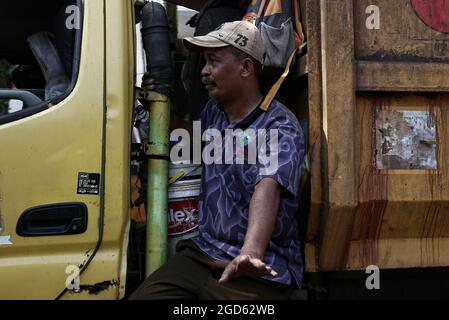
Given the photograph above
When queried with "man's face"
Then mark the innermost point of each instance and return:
(222, 74)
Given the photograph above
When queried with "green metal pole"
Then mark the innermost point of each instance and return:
(157, 196)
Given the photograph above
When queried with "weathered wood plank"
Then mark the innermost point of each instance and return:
(398, 253)
(337, 35)
(402, 76)
(336, 234)
(338, 116)
(315, 132)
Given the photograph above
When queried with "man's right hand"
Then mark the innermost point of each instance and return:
(246, 264)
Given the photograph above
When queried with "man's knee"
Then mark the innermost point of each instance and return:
(180, 278)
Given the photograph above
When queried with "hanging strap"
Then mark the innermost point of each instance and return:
(298, 25)
(275, 88)
(299, 35)
(299, 38)
(263, 4)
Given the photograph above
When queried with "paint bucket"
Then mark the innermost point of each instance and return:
(183, 193)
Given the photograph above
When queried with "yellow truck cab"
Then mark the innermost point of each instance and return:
(371, 87)
(65, 160)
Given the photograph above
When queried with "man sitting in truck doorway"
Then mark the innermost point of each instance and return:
(248, 244)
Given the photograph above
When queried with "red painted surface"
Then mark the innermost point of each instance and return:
(434, 13)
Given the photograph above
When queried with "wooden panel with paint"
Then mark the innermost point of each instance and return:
(401, 30)
(378, 109)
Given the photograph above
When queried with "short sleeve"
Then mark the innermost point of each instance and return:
(284, 155)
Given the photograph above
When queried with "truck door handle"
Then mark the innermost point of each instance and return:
(53, 220)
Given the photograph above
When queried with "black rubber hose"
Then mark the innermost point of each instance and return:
(156, 41)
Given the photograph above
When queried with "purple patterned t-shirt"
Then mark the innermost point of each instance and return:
(226, 191)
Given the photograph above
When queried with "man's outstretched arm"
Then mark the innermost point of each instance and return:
(263, 211)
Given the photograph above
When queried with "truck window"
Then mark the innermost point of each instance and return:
(39, 54)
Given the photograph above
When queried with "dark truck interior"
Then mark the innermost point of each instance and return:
(26, 70)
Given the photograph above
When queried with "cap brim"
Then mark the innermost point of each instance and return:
(201, 42)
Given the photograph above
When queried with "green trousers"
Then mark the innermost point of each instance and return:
(191, 274)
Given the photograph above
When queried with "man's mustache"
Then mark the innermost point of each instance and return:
(208, 81)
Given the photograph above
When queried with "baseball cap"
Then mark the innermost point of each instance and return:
(242, 35)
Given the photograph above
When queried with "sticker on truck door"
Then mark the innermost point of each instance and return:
(5, 240)
(88, 183)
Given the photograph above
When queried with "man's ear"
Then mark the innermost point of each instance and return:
(247, 67)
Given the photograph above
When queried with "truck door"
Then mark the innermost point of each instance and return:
(52, 110)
